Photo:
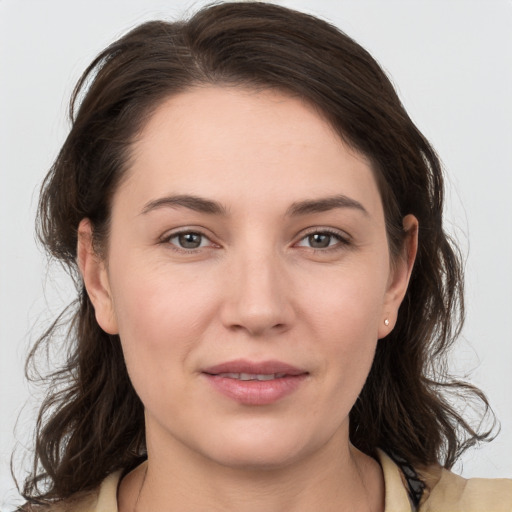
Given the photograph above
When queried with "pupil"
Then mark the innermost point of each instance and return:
(190, 240)
(319, 240)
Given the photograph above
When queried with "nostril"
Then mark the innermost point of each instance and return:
(258, 329)
(256, 307)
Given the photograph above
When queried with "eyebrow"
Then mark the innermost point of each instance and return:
(323, 205)
(195, 203)
(297, 209)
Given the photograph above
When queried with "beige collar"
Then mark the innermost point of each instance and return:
(397, 499)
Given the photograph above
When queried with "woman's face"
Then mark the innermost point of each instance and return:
(248, 276)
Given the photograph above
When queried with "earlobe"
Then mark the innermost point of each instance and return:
(400, 276)
(95, 277)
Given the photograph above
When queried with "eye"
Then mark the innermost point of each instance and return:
(188, 240)
(322, 240)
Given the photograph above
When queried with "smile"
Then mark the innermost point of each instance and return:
(255, 383)
(252, 376)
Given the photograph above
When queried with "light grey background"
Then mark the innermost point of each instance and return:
(451, 61)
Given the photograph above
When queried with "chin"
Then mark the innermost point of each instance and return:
(255, 458)
(260, 449)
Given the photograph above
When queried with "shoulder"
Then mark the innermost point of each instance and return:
(448, 492)
(101, 499)
(444, 491)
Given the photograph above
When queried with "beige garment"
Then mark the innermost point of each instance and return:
(446, 492)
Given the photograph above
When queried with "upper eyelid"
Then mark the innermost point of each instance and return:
(166, 239)
(180, 231)
(324, 230)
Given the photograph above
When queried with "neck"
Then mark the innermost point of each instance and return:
(175, 479)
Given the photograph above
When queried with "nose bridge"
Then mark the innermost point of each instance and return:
(258, 296)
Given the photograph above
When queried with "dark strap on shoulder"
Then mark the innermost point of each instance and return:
(415, 485)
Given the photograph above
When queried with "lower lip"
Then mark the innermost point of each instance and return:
(256, 392)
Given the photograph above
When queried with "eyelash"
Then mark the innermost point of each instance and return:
(167, 240)
(342, 241)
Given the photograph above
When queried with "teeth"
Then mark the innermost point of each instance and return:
(266, 377)
(252, 376)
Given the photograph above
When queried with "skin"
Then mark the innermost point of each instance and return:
(255, 289)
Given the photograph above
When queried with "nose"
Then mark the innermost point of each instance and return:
(257, 295)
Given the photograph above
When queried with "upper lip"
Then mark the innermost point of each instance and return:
(254, 367)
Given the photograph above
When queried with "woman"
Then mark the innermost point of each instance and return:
(266, 289)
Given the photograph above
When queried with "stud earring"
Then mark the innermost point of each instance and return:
(386, 322)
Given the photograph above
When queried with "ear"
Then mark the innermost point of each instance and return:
(399, 276)
(95, 277)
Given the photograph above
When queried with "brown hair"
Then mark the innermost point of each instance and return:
(91, 422)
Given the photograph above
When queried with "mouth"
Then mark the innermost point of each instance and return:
(255, 383)
(252, 376)
(241, 368)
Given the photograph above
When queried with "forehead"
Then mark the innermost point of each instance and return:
(230, 142)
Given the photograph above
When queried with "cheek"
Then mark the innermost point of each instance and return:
(161, 314)
(349, 301)
(344, 319)
(162, 321)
